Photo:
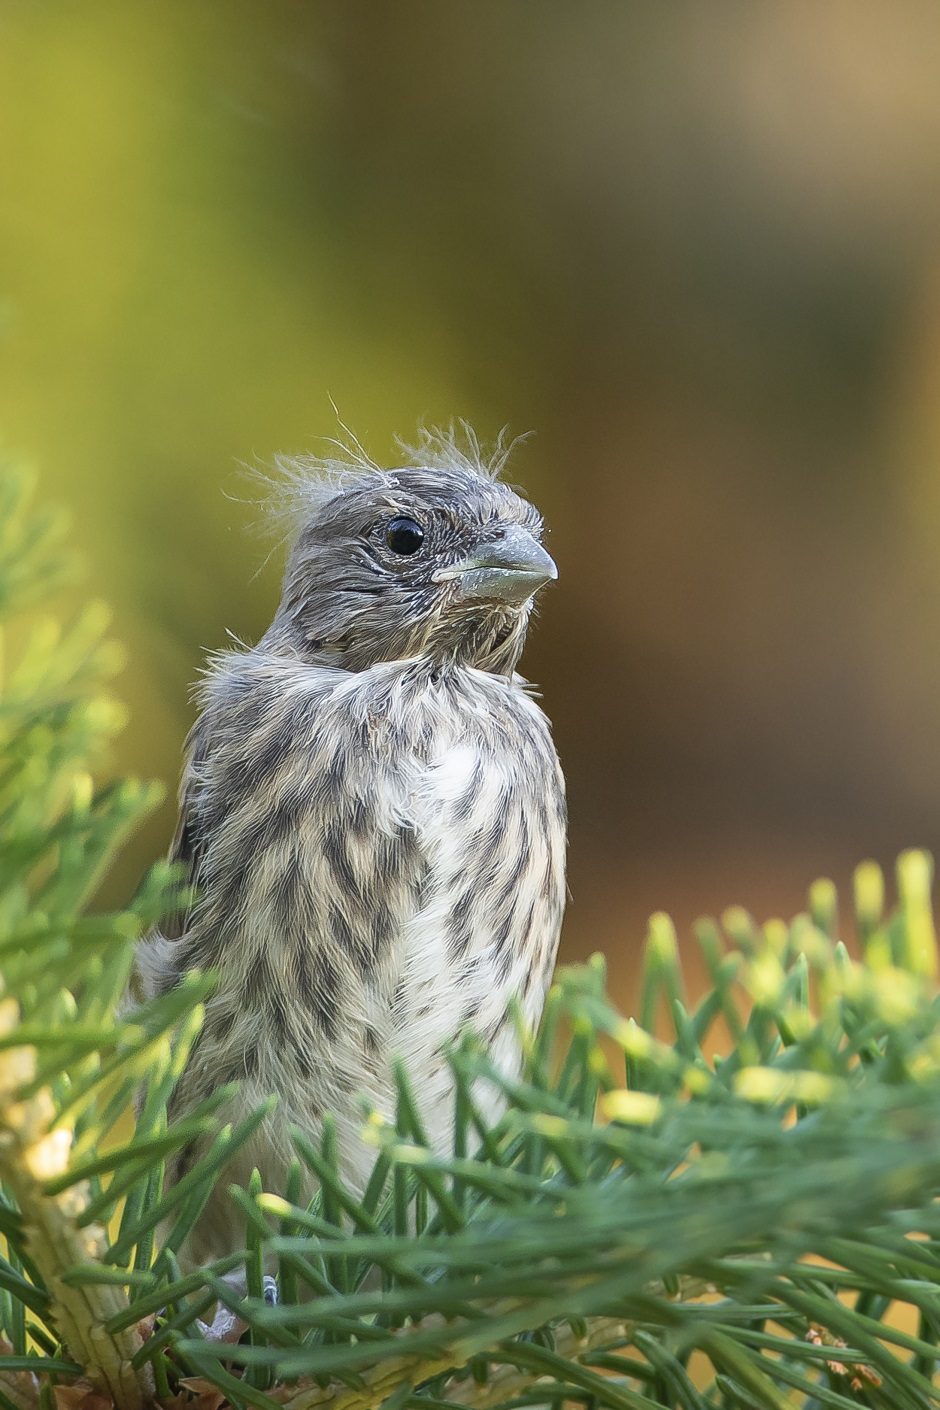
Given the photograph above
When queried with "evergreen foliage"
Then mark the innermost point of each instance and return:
(647, 1225)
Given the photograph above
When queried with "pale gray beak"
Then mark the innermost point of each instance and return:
(507, 569)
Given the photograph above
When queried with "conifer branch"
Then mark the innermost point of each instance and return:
(32, 1152)
(510, 1372)
(639, 1203)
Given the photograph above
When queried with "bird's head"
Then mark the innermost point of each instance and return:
(438, 559)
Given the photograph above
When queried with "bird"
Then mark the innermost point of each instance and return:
(372, 816)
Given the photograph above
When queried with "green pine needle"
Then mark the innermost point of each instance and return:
(644, 1225)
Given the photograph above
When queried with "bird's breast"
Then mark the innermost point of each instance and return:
(389, 872)
(487, 806)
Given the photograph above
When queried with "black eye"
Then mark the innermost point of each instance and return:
(404, 536)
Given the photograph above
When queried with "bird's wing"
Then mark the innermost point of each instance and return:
(188, 843)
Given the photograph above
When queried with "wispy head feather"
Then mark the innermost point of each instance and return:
(296, 487)
(458, 445)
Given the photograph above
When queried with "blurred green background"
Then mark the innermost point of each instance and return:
(695, 248)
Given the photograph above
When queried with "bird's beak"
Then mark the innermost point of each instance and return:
(509, 568)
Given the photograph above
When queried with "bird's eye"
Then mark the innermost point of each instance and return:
(404, 536)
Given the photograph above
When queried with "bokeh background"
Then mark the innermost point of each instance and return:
(695, 249)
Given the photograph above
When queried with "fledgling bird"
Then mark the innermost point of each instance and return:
(372, 812)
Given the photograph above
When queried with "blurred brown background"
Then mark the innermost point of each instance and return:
(695, 248)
